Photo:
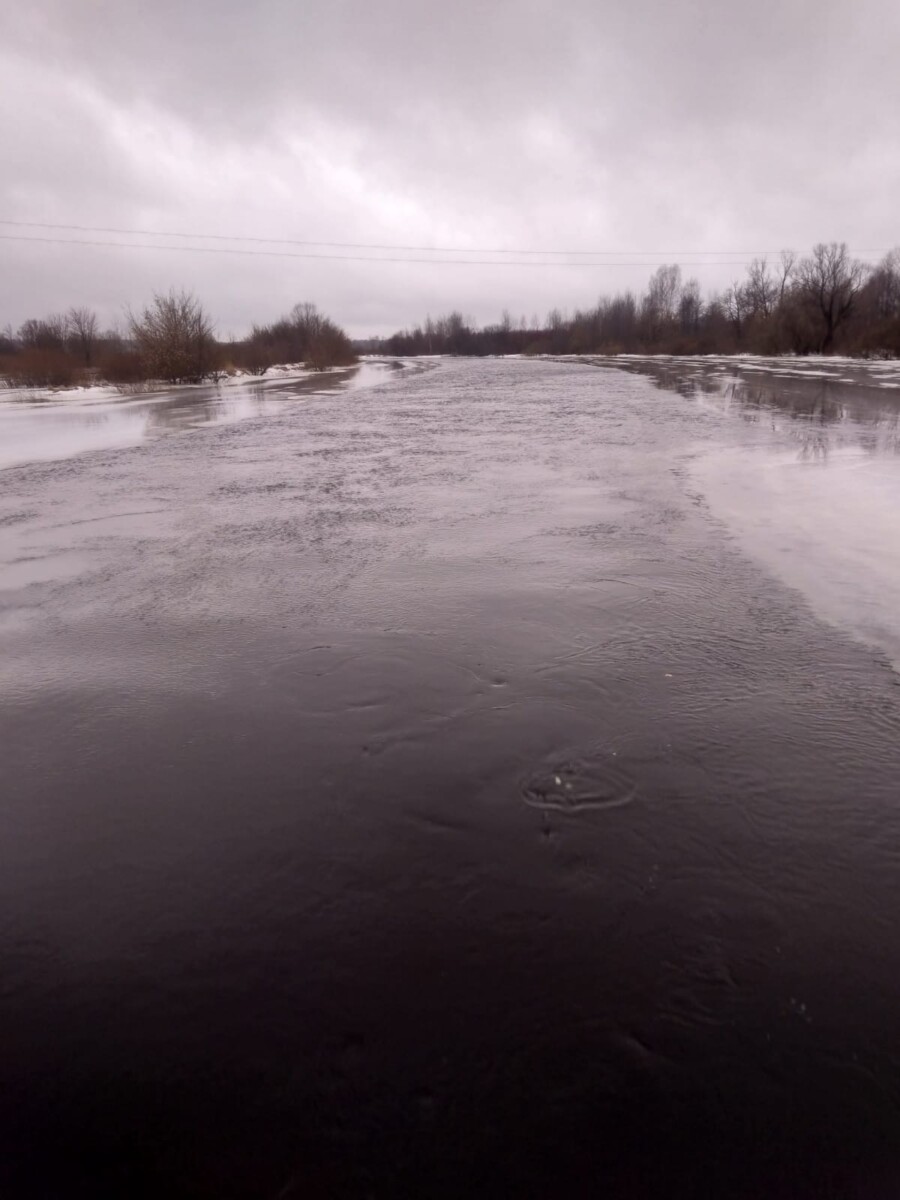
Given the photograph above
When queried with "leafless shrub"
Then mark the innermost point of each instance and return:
(121, 367)
(174, 338)
(304, 335)
(39, 368)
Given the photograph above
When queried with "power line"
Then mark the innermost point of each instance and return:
(431, 262)
(220, 237)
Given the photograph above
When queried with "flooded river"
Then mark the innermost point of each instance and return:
(479, 779)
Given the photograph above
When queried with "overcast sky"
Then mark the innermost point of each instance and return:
(655, 130)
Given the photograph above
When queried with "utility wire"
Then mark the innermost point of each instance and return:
(431, 262)
(220, 237)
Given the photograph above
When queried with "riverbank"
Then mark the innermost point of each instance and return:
(102, 390)
(883, 373)
(43, 427)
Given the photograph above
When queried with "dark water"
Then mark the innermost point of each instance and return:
(444, 789)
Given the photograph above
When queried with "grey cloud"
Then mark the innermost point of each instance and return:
(641, 126)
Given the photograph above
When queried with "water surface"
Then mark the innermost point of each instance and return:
(447, 788)
(811, 485)
(39, 425)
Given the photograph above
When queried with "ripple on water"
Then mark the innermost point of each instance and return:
(579, 786)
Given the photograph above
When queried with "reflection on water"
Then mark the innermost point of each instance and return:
(41, 428)
(861, 399)
(813, 492)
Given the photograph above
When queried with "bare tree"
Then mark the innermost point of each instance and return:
(760, 289)
(788, 265)
(81, 325)
(619, 320)
(664, 289)
(49, 333)
(660, 302)
(452, 332)
(690, 306)
(308, 321)
(174, 336)
(885, 284)
(736, 308)
(781, 304)
(829, 281)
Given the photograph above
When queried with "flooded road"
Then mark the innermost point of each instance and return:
(481, 782)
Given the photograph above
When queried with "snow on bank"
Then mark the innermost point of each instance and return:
(882, 373)
(104, 392)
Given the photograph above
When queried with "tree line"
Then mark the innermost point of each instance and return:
(172, 339)
(827, 302)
